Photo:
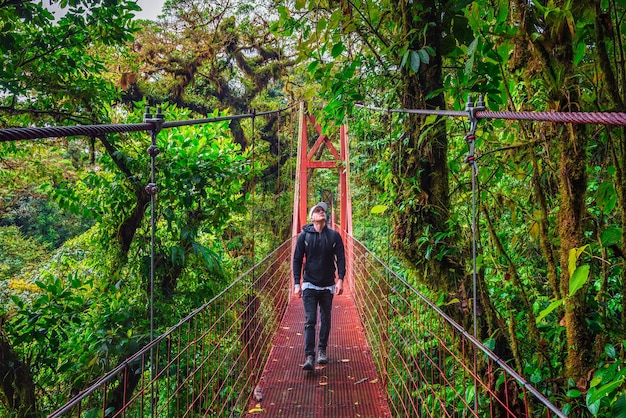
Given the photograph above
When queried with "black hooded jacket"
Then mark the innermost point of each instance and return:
(324, 253)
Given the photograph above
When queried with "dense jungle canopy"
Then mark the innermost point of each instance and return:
(74, 225)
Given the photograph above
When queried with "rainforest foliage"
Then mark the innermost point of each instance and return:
(551, 203)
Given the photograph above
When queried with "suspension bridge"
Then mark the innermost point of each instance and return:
(392, 352)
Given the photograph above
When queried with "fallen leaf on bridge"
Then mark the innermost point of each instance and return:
(257, 408)
(374, 381)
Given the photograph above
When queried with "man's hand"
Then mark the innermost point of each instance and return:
(297, 291)
(339, 287)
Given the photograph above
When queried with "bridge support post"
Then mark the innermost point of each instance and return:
(307, 160)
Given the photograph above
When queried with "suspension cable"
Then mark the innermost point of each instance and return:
(14, 134)
(252, 195)
(470, 137)
(600, 118)
(151, 189)
(278, 163)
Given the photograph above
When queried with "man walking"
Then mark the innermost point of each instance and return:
(325, 255)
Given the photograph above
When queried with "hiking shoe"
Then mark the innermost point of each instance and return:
(321, 357)
(308, 364)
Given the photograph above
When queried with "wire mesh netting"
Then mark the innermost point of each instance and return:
(430, 364)
(207, 364)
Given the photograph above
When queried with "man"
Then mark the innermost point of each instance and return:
(324, 251)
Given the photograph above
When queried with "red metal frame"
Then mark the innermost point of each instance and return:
(306, 162)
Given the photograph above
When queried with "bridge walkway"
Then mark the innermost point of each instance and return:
(348, 386)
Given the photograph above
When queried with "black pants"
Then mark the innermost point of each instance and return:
(312, 299)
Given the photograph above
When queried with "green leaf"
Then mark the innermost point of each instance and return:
(469, 394)
(574, 254)
(472, 48)
(321, 24)
(593, 407)
(571, 261)
(424, 56)
(405, 58)
(178, 255)
(536, 377)
(573, 393)
(578, 279)
(619, 407)
(579, 53)
(430, 95)
(415, 61)
(549, 309)
(611, 236)
(469, 66)
(490, 343)
(610, 351)
(595, 381)
(17, 301)
(606, 197)
(378, 209)
(338, 48)
(430, 119)
(603, 391)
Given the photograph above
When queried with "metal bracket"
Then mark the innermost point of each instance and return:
(153, 150)
(157, 120)
(470, 137)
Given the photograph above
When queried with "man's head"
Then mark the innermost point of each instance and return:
(319, 209)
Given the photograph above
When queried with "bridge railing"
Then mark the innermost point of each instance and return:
(430, 365)
(205, 365)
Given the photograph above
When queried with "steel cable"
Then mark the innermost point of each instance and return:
(15, 134)
(600, 118)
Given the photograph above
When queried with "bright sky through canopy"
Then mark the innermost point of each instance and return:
(150, 9)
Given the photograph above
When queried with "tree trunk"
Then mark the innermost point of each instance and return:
(420, 168)
(533, 332)
(16, 383)
(554, 54)
(547, 248)
(618, 147)
(128, 228)
(573, 184)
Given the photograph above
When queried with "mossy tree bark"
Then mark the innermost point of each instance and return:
(554, 51)
(420, 168)
(421, 181)
(611, 72)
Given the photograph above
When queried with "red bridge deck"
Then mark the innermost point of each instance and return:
(348, 386)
